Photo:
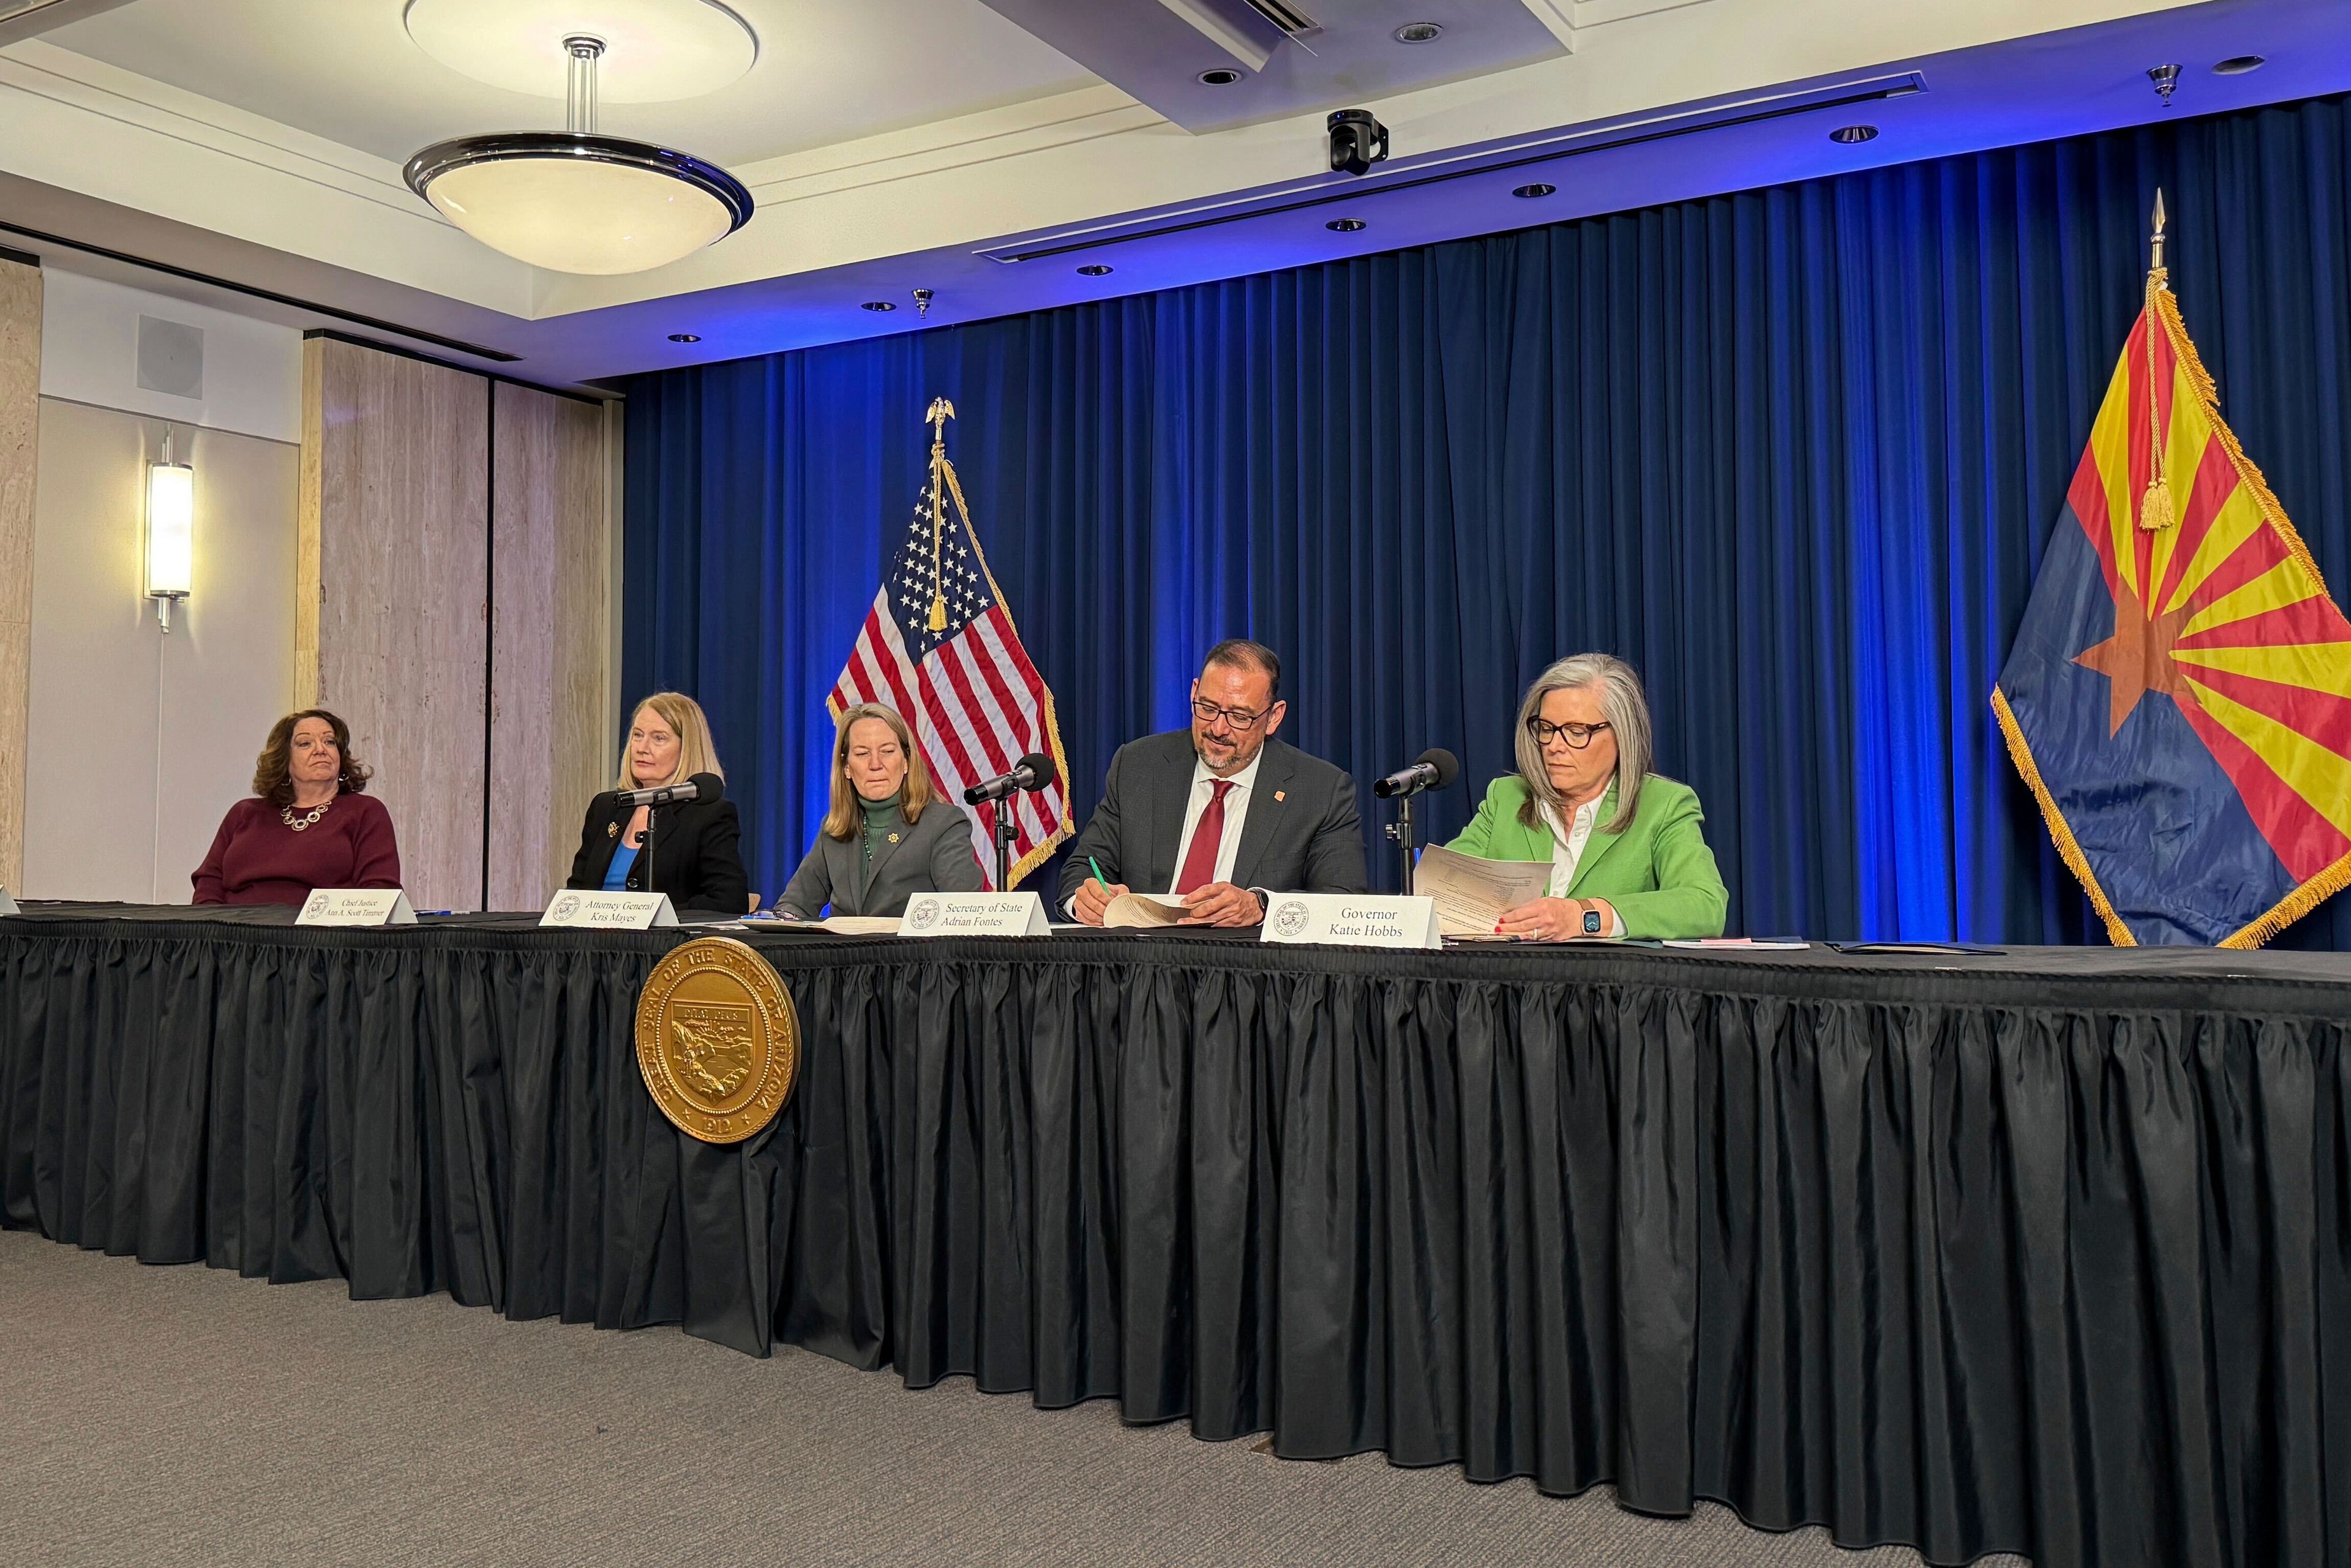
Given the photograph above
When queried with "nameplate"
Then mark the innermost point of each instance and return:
(357, 906)
(974, 914)
(1347, 920)
(610, 911)
(8, 905)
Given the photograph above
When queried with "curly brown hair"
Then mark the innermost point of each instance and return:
(272, 775)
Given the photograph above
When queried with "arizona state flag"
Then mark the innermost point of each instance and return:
(2179, 696)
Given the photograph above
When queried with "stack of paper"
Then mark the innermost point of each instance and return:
(1471, 893)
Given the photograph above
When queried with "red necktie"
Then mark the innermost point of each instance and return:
(1200, 861)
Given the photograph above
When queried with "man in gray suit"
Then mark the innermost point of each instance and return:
(1221, 814)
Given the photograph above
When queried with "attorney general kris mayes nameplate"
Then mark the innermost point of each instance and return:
(610, 911)
(974, 914)
(1350, 920)
(356, 907)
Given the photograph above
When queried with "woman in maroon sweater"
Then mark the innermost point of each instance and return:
(309, 827)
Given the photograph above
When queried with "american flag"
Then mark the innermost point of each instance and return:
(976, 703)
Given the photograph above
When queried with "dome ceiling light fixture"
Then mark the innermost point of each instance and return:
(574, 200)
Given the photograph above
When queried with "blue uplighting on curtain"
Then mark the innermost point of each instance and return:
(1792, 452)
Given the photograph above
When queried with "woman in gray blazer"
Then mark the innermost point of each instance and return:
(888, 837)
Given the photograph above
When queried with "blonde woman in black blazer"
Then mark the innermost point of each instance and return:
(692, 852)
(887, 837)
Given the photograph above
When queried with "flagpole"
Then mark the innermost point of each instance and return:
(936, 417)
(2156, 510)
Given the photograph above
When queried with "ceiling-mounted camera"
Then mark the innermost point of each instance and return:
(1358, 140)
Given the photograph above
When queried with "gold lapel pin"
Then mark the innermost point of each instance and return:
(612, 830)
(1280, 795)
(893, 838)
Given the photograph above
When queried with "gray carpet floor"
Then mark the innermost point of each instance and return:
(183, 1415)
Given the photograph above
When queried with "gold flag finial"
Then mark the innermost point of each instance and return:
(2156, 511)
(936, 417)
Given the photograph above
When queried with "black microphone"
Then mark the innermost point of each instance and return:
(1033, 771)
(701, 787)
(1435, 768)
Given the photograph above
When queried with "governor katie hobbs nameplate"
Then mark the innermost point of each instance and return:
(718, 1040)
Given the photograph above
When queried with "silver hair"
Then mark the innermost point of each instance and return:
(1626, 711)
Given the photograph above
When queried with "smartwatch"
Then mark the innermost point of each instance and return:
(1591, 922)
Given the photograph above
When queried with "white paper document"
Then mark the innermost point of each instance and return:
(1471, 893)
(860, 924)
(1140, 910)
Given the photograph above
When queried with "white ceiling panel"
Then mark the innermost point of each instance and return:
(829, 71)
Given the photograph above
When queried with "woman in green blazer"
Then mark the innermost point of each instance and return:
(1627, 846)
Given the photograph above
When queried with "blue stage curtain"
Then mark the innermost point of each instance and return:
(1792, 452)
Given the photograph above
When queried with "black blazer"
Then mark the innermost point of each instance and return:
(1302, 833)
(693, 853)
(934, 856)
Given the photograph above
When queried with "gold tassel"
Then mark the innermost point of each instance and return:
(2155, 508)
(939, 614)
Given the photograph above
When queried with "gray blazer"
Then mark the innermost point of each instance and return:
(934, 856)
(1302, 833)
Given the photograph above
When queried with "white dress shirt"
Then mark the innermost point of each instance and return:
(1567, 850)
(1237, 805)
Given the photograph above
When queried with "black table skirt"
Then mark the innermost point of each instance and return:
(2041, 1251)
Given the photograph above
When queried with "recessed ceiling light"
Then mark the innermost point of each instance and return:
(1850, 135)
(1537, 189)
(1344, 225)
(2238, 65)
(1094, 269)
(1419, 32)
(880, 305)
(685, 337)
(1222, 75)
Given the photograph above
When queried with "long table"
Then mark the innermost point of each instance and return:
(2042, 1250)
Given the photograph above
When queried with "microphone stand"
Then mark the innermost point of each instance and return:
(1003, 830)
(1401, 831)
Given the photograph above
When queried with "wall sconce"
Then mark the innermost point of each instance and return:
(170, 532)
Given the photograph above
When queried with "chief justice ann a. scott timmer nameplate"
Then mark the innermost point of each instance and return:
(718, 1040)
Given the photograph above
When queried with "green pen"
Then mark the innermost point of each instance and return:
(1098, 875)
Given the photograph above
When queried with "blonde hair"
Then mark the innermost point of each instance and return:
(695, 754)
(1626, 711)
(843, 821)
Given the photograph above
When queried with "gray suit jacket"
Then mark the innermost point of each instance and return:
(1301, 834)
(934, 856)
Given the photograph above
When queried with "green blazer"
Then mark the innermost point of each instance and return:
(1657, 875)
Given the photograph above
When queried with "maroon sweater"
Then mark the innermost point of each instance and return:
(256, 859)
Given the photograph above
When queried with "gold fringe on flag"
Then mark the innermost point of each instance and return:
(2156, 512)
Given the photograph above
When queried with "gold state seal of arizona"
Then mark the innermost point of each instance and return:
(718, 1040)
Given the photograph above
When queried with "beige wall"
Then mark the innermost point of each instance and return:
(20, 381)
(487, 738)
(549, 675)
(394, 522)
(353, 569)
(138, 739)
